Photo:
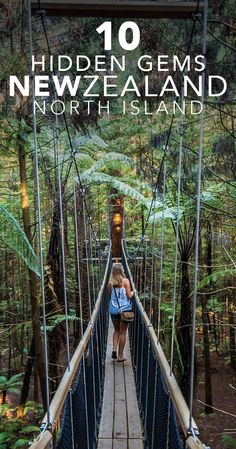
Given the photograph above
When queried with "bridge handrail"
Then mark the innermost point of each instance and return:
(68, 377)
(181, 407)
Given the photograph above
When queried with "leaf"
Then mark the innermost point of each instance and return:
(14, 237)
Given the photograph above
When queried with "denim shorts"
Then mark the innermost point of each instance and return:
(115, 316)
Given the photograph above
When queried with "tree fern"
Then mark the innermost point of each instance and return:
(88, 179)
(13, 236)
(112, 158)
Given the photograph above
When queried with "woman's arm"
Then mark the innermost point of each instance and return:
(126, 284)
(109, 288)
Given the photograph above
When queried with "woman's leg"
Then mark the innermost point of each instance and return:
(116, 333)
(122, 340)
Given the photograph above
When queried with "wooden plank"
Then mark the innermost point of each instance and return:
(104, 443)
(120, 443)
(120, 417)
(119, 402)
(106, 425)
(135, 444)
(119, 8)
(134, 425)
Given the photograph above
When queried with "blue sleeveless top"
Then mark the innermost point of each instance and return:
(124, 301)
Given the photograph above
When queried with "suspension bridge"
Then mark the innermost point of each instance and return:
(101, 403)
(105, 404)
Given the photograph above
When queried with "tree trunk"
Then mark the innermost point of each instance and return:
(82, 279)
(54, 296)
(184, 331)
(232, 343)
(205, 320)
(117, 217)
(28, 372)
(35, 305)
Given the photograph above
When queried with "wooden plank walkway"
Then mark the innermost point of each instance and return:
(120, 426)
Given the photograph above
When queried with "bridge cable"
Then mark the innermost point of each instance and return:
(40, 239)
(176, 261)
(78, 263)
(162, 252)
(85, 207)
(155, 190)
(42, 14)
(87, 235)
(62, 235)
(198, 217)
(153, 260)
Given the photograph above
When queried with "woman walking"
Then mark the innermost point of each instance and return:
(120, 301)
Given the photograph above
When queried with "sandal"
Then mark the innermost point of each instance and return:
(121, 360)
(114, 355)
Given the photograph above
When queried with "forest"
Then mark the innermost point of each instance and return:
(97, 176)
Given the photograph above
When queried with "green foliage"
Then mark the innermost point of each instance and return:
(169, 212)
(55, 320)
(229, 442)
(110, 160)
(30, 429)
(102, 178)
(11, 385)
(4, 438)
(214, 305)
(89, 142)
(14, 237)
(22, 442)
(17, 431)
(216, 276)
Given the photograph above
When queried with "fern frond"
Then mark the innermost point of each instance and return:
(169, 212)
(102, 178)
(14, 237)
(110, 157)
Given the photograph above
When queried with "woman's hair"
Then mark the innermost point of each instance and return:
(117, 274)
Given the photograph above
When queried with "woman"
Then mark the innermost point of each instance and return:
(120, 295)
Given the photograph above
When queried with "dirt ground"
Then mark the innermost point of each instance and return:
(213, 427)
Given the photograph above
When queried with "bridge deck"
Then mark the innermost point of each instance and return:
(120, 426)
